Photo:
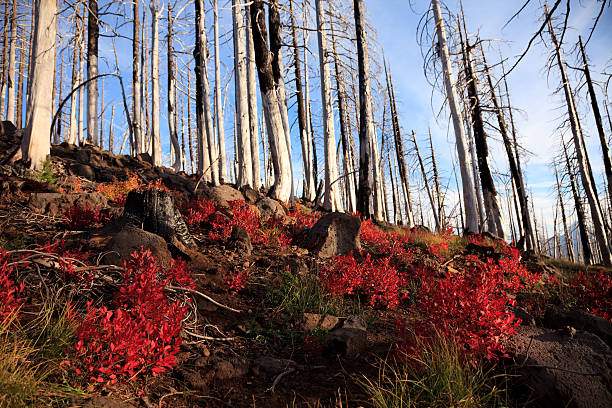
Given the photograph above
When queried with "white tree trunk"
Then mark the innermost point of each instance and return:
(10, 85)
(269, 75)
(172, 97)
(331, 201)
(92, 71)
(245, 163)
(36, 142)
(136, 85)
(155, 136)
(253, 115)
(81, 137)
(469, 193)
(311, 186)
(218, 103)
(74, 100)
(213, 155)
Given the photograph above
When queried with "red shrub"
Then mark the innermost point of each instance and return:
(238, 279)
(9, 291)
(376, 279)
(141, 334)
(593, 292)
(199, 211)
(471, 306)
(79, 217)
(240, 215)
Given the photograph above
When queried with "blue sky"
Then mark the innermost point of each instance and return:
(395, 22)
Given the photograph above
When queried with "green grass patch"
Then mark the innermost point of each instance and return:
(437, 377)
(20, 241)
(297, 294)
(568, 268)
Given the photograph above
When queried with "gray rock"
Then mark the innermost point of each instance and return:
(56, 204)
(240, 242)
(220, 195)
(334, 234)
(346, 342)
(312, 321)
(556, 318)
(130, 239)
(355, 322)
(526, 318)
(563, 368)
(83, 170)
(269, 208)
(272, 366)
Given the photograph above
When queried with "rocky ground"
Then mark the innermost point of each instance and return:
(263, 326)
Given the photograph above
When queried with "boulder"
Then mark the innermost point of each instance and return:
(130, 239)
(334, 234)
(240, 242)
(222, 195)
(250, 195)
(83, 170)
(557, 318)
(312, 321)
(56, 204)
(355, 322)
(269, 208)
(562, 368)
(346, 342)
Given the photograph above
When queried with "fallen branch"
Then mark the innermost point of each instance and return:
(213, 301)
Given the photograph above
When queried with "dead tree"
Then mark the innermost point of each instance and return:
(439, 199)
(598, 122)
(137, 143)
(269, 76)
(309, 186)
(399, 151)
(252, 92)
(492, 207)
(172, 96)
(434, 208)
(469, 192)
(36, 142)
(568, 239)
(218, 103)
(199, 54)
(583, 165)
(245, 164)
(10, 75)
(155, 136)
(93, 32)
(580, 215)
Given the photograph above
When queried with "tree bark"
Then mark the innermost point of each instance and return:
(36, 143)
(93, 31)
(10, 81)
(469, 196)
(252, 95)
(245, 163)
(172, 96)
(605, 149)
(399, 150)
(137, 143)
(568, 239)
(302, 120)
(269, 76)
(199, 54)
(492, 206)
(155, 135)
(583, 165)
(366, 128)
(218, 103)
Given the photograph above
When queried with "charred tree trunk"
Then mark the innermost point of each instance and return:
(218, 103)
(10, 75)
(200, 73)
(269, 76)
(399, 150)
(155, 134)
(171, 102)
(598, 122)
(432, 202)
(584, 238)
(568, 239)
